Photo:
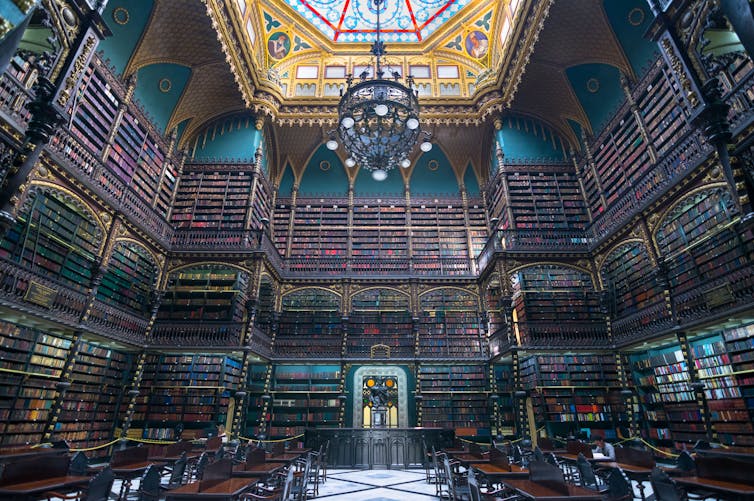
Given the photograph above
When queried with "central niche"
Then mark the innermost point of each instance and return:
(380, 402)
(381, 397)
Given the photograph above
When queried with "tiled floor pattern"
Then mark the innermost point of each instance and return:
(371, 485)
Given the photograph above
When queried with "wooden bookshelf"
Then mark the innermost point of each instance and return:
(130, 277)
(665, 116)
(96, 110)
(572, 393)
(731, 397)
(455, 397)
(257, 383)
(697, 243)
(56, 238)
(557, 305)
(504, 376)
(449, 325)
(321, 230)
(546, 198)
(304, 396)
(206, 292)
(212, 199)
(631, 280)
(30, 368)
(93, 404)
(669, 408)
(380, 317)
(309, 325)
(188, 389)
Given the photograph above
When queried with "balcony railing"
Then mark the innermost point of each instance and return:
(646, 322)
(117, 323)
(92, 172)
(33, 291)
(216, 240)
(177, 334)
(13, 99)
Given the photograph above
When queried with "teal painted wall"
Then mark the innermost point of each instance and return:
(433, 175)
(324, 174)
(158, 97)
(366, 186)
(234, 139)
(630, 20)
(119, 47)
(597, 86)
(470, 181)
(525, 139)
(286, 182)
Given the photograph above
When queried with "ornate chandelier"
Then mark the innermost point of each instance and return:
(378, 119)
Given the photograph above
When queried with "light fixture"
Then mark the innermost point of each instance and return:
(379, 174)
(378, 119)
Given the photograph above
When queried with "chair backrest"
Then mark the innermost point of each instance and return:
(518, 456)
(474, 492)
(619, 486)
(27, 470)
(129, 456)
(216, 473)
(545, 444)
(435, 463)
(79, 465)
(539, 471)
(634, 456)
(685, 462)
(100, 486)
(255, 455)
(149, 487)
(500, 459)
(288, 485)
(448, 475)
(201, 464)
(213, 444)
(179, 468)
(586, 473)
(475, 449)
(664, 488)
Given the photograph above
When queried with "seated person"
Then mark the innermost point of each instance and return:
(606, 449)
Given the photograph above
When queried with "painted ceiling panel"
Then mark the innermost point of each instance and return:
(351, 21)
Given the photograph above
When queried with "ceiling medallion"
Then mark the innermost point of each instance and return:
(165, 85)
(593, 85)
(121, 16)
(378, 119)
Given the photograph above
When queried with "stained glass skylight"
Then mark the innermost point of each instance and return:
(356, 20)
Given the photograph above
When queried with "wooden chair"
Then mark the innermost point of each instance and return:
(282, 493)
(149, 487)
(98, 489)
(664, 488)
(177, 473)
(540, 471)
(619, 486)
(587, 478)
(456, 491)
(79, 465)
(477, 494)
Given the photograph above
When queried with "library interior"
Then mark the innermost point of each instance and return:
(378, 234)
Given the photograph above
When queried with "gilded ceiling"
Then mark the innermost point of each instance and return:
(285, 60)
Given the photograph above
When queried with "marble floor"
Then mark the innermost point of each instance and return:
(376, 485)
(371, 485)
